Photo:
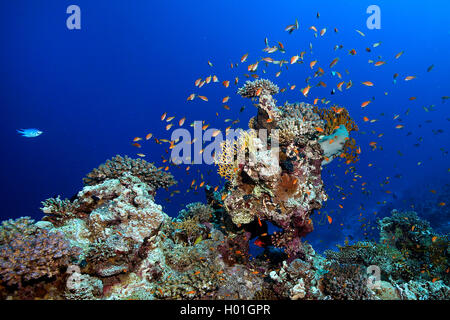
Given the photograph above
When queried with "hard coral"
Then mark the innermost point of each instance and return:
(139, 168)
(58, 211)
(251, 88)
(346, 282)
(30, 253)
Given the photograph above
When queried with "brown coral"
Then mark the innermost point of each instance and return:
(58, 211)
(117, 166)
(30, 253)
(287, 187)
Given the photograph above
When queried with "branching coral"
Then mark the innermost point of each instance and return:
(299, 122)
(256, 88)
(346, 282)
(139, 168)
(57, 211)
(29, 253)
(197, 210)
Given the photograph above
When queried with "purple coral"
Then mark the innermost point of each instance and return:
(29, 253)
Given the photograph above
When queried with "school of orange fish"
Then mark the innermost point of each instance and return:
(261, 64)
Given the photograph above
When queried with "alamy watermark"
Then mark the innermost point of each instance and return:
(374, 20)
(73, 22)
(208, 146)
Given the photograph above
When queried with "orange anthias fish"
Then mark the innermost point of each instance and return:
(312, 64)
(319, 129)
(333, 63)
(379, 63)
(365, 103)
(398, 55)
(244, 57)
(294, 59)
(367, 83)
(252, 67)
(226, 83)
(305, 90)
(349, 85)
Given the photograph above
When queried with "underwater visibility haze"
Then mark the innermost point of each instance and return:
(225, 150)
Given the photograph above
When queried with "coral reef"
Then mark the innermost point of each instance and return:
(112, 241)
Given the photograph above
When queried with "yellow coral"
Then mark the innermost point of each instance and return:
(225, 160)
(334, 117)
(228, 158)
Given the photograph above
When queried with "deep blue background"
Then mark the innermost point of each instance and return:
(93, 90)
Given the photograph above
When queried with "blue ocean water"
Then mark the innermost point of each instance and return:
(91, 91)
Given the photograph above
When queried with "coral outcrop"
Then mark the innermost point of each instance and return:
(282, 184)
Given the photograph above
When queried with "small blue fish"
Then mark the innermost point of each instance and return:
(30, 133)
